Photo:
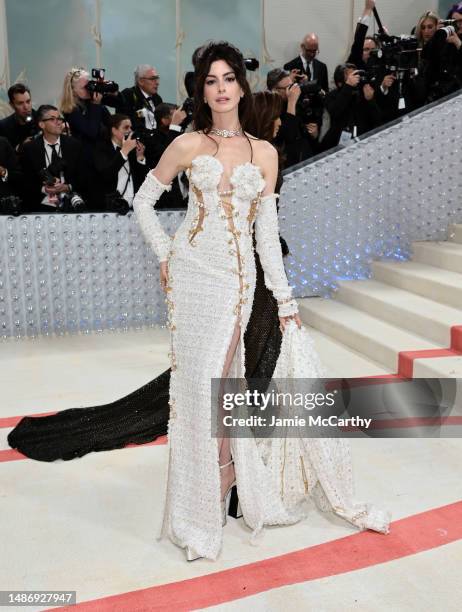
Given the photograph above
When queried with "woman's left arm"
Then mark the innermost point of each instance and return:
(267, 241)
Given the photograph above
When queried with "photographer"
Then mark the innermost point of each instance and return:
(352, 107)
(363, 45)
(54, 166)
(83, 110)
(141, 100)
(21, 124)
(442, 57)
(298, 140)
(426, 27)
(307, 65)
(120, 164)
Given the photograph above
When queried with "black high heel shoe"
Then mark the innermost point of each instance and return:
(234, 508)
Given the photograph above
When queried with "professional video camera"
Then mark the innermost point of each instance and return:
(99, 84)
(396, 53)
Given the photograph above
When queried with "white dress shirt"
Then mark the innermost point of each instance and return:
(48, 155)
(310, 65)
(149, 118)
(125, 178)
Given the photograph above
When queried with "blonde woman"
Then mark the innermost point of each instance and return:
(426, 27)
(83, 110)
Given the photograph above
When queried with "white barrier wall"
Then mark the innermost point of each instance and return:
(372, 199)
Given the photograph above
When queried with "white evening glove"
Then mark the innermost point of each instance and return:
(143, 205)
(269, 251)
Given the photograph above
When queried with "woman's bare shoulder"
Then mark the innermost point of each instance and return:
(264, 153)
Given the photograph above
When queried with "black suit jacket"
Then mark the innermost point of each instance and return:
(8, 159)
(14, 131)
(134, 100)
(108, 162)
(347, 107)
(356, 53)
(33, 160)
(319, 71)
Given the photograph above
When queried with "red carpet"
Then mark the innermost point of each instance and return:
(408, 536)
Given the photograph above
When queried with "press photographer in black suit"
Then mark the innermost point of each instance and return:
(11, 176)
(21, 124)
(307, 64)
(352, 107)
(120, 162)
(298, 141)
(62, 155)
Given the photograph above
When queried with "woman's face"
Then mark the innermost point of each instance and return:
(78, 85)
(221, 89)
(276, 126)
(427, 29)
(124, 128)
(458, 17)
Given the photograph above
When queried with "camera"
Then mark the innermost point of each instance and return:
(450, 27)
(70, 202)
(310, 105)
(251, 63)
(99, 84)
(10, 205)
(116, 203)
(395, 53)
(49, 175)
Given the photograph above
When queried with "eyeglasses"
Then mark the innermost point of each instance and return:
(55, 119)
(153, 78)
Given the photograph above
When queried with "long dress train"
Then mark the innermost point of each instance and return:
(212, 279)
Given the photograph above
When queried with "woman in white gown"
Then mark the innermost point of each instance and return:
(208, 273)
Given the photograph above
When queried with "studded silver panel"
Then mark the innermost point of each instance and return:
(78, 273)
(372, 199)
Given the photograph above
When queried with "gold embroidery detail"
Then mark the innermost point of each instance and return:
(305, 479)
(253, 210)
(199, 218)
(230, 213)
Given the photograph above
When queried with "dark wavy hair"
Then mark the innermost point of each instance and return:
(227, 52)
(268, 106)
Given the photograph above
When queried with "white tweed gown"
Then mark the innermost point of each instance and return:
(211, 284)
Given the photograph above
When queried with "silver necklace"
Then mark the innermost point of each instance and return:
(226, 133)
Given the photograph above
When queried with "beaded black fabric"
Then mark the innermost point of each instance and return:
(141, 416)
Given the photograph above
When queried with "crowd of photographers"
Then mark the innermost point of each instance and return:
(81, 156)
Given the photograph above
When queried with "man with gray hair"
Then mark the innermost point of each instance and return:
(141, 100)
(306, 66)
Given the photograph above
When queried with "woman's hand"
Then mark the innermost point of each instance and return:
(284, 320)
(164, 276)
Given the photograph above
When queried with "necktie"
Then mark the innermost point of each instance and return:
(308, 72)
(54, 154)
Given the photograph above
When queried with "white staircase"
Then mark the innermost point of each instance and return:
(407, 306)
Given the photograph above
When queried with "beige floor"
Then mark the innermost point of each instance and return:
(90, 524)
